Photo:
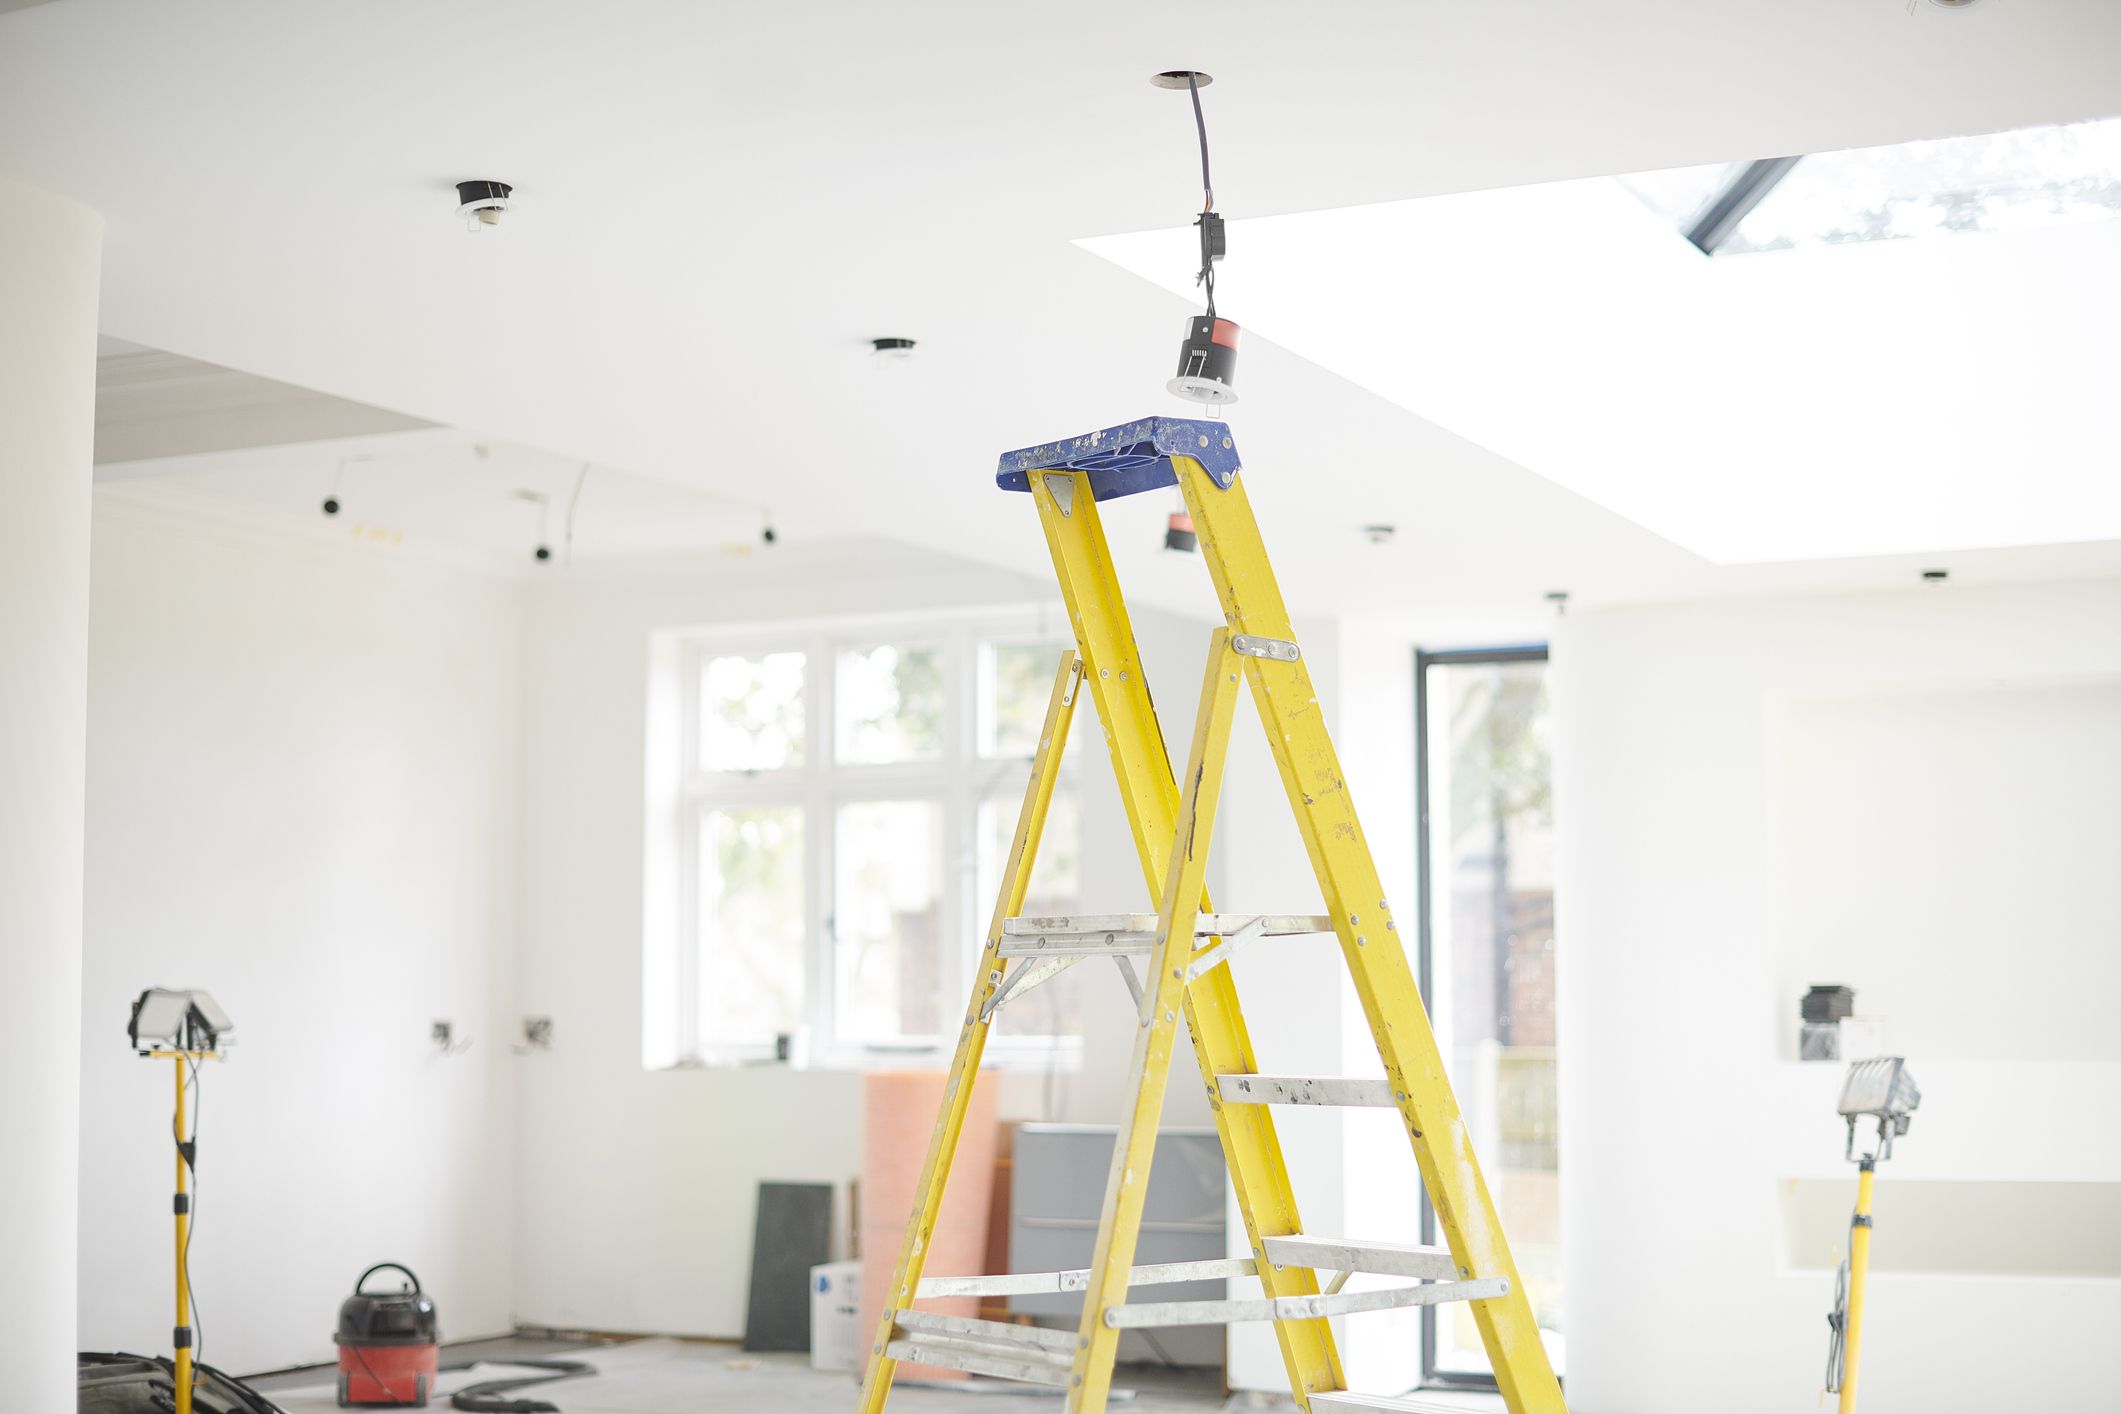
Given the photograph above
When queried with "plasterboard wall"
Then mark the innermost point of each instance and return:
(303, 796)
(637, 1186)
(1685, 1135)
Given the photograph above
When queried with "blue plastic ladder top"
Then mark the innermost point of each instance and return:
(1132, 457)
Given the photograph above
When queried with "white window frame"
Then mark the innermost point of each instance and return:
(960, 781)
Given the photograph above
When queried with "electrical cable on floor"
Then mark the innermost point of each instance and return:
(485, 1397)
(1157, 1346)
(253, 1400)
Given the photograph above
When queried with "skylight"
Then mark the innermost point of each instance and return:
(1680, 194)
(1916, 396)
(2012, 181)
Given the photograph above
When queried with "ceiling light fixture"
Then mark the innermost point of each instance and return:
(1207, 359)
(481, 203)
(891, 350)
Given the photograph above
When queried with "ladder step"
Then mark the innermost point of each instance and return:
(1338, 1401)
(918, 1324)
(1096, 934)
(1336, 1254)
(1303, 1090)
(1302, 1308)
(931, 1350)
(977, 1347)
(1042, 1283)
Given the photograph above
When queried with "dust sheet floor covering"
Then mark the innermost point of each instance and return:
(679, 1377)
(682, 1377)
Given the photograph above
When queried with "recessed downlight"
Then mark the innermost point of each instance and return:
(481, 202)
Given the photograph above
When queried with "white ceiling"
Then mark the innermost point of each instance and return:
(445, 494)
(721, 205)
(1896, 397)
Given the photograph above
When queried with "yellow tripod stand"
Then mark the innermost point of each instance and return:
(1184, 946)
(187, 1155)
(1882, 1091)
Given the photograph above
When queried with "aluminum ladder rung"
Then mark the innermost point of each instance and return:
(977, 1347)
(1337, 1254)
(1043, 1283)
(1097, 934)
(1303, 1090)
(1301, 1308)
(971, 1328)
(1337, 1401)
(933, 1350)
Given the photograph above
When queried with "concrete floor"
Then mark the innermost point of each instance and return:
(683, 1377)
(702, 1375)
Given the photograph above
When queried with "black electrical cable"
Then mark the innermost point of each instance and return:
(1210, 224)
(381, 1383)
(210, 1384)
(487, 1397)
(1200, 124)
(190, 1159)
(252, 1400)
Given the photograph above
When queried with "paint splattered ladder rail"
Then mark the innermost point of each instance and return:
(1182, 949)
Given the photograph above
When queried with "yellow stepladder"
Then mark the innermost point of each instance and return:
(1183, 948)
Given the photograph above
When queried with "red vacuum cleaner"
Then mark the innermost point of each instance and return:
(388, 1346)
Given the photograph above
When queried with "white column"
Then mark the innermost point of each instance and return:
(50, 251)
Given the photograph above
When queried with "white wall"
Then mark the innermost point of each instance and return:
(303, 796)
(1691, 907)
(1381, 1351)
(638, 1186)
(49, 268)
(2027, 774)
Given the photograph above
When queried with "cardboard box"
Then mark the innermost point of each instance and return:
(836, 1317)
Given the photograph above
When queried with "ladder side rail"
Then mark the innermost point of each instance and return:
(972, 1040)
(1112, 668)
(1311, 774)
(1127, 1184)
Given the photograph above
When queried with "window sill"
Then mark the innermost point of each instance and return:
(1035, 1055)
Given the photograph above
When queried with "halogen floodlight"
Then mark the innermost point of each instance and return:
(209, 1023)
(1882, 1090)
(158, 1019)
(170, 1020)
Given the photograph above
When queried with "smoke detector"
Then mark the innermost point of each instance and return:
(481, 203)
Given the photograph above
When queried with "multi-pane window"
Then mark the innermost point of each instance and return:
(1486, 770)
(848, 799)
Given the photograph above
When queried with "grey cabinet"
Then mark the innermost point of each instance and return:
(1058, 1187)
